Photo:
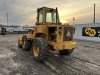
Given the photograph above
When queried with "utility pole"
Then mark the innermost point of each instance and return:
(73, 20)
(1, 21)
(7, 19)
(94, 14)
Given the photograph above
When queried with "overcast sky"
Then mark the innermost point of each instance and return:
(23, 12)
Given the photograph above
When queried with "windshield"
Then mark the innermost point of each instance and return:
(51, 16)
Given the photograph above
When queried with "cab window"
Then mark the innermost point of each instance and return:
(40, 16)
(51, 16)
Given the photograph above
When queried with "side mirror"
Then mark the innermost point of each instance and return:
(30, 30)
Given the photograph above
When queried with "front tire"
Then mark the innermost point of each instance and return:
(26, 46)
(39, 49)
(19, 45)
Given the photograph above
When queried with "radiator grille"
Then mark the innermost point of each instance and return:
(68, 34)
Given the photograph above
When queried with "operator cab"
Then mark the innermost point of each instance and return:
(47, 16)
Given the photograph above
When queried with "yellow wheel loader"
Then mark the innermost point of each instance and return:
(2, 31)
(49, 34)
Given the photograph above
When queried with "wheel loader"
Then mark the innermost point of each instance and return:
(2, 31)
(48, 34)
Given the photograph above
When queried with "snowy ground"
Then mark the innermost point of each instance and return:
(85, 60)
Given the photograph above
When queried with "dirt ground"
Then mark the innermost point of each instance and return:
(85, 60)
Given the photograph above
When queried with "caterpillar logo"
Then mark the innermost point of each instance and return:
(90, 31)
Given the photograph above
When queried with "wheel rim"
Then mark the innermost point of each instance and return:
(36, 50)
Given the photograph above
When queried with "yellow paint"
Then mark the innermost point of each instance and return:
(63, 46)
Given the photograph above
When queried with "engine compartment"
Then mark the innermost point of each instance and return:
(52, 33)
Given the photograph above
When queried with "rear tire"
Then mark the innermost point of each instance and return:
(39, 49)
(26, 44)
(66, 52)
(19, 45)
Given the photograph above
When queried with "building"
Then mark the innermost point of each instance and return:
(90, 32)
(16, 28)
